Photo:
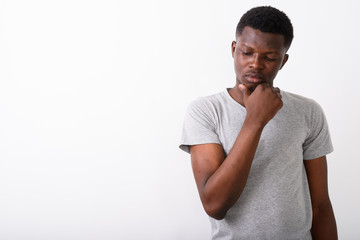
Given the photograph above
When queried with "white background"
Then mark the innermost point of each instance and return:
(93, 95)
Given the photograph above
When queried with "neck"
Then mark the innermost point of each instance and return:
(236, 94)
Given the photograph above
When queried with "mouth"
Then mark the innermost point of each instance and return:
(254, 78)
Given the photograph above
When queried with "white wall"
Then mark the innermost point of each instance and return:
(92, 98)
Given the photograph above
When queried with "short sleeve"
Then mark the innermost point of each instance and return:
(199, 125)
(318, 142)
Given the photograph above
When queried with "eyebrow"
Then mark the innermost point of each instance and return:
(269, 52)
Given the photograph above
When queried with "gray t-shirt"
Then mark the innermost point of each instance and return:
(275, 203)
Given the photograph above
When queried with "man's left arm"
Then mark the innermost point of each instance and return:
(323, 224)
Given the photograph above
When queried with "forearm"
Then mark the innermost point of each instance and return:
(324, 224)
(224, 187)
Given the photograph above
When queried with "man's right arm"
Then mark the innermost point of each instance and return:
(220, 180)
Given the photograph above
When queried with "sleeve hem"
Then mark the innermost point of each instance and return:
(186, 146)
(314, 156)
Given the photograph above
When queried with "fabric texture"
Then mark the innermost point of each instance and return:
(275, 203)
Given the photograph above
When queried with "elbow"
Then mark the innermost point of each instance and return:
(219, 216)
(214, 205)
(215, 212)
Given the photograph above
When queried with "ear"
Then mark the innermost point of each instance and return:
(233, 46)
(286, 57)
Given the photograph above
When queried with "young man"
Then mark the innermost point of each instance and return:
(259, 153)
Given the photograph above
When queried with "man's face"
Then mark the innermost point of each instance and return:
(258, 57)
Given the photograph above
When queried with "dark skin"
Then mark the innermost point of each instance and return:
(220, 180)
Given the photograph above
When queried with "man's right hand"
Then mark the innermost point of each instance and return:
(262, 104)
(221, 179)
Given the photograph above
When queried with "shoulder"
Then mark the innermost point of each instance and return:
(298, 99)
(304, 108)
(300, 103)
(208, 103)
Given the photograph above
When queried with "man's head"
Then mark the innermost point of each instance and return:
(263, 36)
(269, 20)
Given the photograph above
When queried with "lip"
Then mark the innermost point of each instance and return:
(254, 78)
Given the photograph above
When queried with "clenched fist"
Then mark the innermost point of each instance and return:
(262, 104)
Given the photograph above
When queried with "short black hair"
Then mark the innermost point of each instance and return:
(267, 19)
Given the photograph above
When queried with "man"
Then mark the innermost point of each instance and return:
(259, 153)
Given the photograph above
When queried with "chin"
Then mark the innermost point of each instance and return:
(251, 86)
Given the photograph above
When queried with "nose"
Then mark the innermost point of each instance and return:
(255, 62)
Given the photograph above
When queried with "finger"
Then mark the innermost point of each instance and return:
(245, 91)
(277, 91)
(279, 95)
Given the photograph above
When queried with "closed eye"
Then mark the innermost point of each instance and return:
(246, 53)
(270, 59)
